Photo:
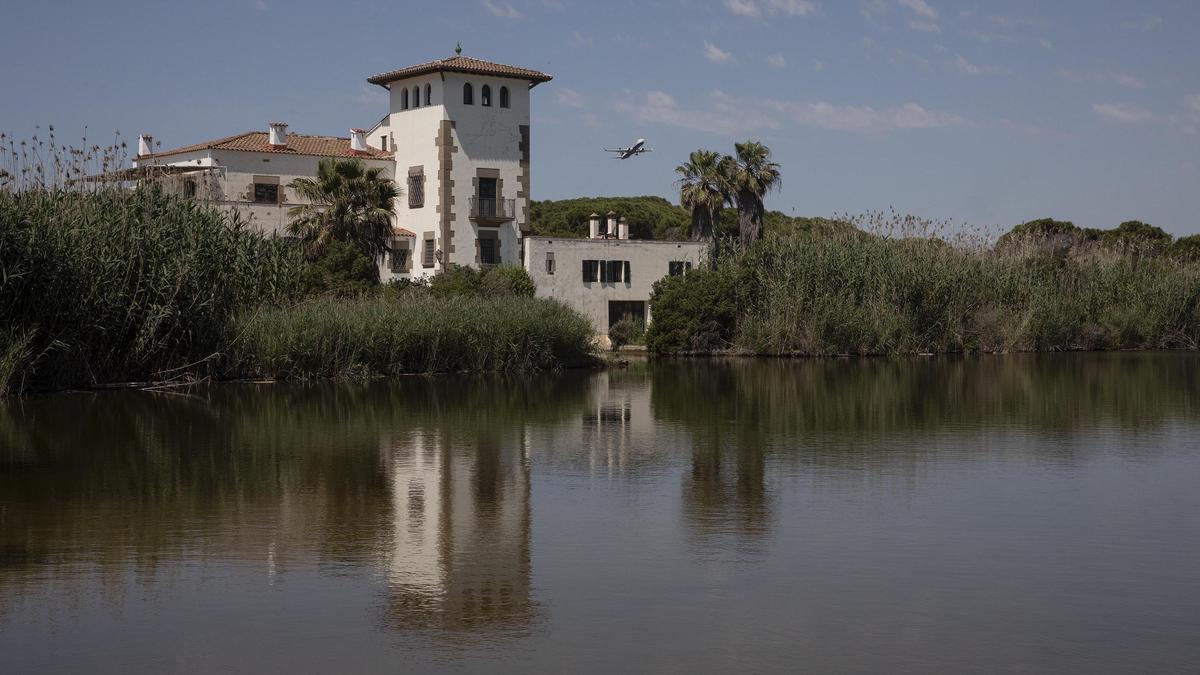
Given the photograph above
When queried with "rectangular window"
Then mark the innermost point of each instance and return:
(591, 270)
(550, 262)
(383, 143)
(489, 253)
(428, 259)
(189, 188)
(416, 191)
(678, 267)
(398, 259)
(266, 193)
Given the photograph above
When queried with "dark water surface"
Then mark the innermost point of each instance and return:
(1020, 513)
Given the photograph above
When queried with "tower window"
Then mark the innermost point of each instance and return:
(468, 95)
(416, 97)
(428, 95)
(485, 96)
(404, 100)
(503, 97)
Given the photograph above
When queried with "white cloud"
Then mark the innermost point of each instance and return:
(506, 10)
(261, 5)
(1046, 44)
(571, 98)
(1109, 77)
(716, 54)
(818, 65)
(743, 7)
(1144, 24)
(725, 114)
(1194, 102)
(776, 61)
(921, 7)
(755, 8)
(580, 40)
(962, 65)
(926, 16)
(1124, 113)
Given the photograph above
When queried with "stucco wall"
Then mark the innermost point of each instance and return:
(648, 262)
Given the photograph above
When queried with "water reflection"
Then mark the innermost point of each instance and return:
(423, 494)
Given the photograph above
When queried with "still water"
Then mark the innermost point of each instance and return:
(1018, 513)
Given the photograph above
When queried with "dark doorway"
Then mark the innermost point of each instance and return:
(622, 309)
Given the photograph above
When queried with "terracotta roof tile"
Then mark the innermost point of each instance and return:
(461, 64)
(297, 144)
(401, 232)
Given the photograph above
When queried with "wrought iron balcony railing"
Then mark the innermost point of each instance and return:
(489, 208)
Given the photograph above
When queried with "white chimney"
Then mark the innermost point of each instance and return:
(145, 145)
(594, 226)
(611, 230)
(622, 228)
(358, 141)
(278, 134)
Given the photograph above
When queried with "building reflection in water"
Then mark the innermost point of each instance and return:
(459, 553)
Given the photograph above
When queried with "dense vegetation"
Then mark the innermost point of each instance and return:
(648, 217)
(856, 293)
(379, 336)
(103, 284)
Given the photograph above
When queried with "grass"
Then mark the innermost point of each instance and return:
(378, 335)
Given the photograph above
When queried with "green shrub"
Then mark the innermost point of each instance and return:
(627, 331)
(696, 311)
(490, 282)
(507, 280)
(341, 269)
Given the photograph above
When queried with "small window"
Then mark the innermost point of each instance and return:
(485, 96)
(416, 191)
(416, 97)
(428, 95)
(189, 188)
(427, 260)
(489, 253)
(503, 97)
(266, 193)
(612, 270)
(383, 142)
(591, 270)
(549, 262)
(468, 95)
(404, 99)
(398, 259)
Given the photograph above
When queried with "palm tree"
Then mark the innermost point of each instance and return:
(754, 174)
(704, 188)
(348, 203)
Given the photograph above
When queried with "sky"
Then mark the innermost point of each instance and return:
(986, 113)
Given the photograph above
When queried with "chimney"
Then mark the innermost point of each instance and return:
(622, 228)
(594, 226)
(145, 145)
(358, 141)
(611, 230)
(278, 135)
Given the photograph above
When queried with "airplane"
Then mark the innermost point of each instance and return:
(632, 151)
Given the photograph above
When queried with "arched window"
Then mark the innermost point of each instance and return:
(468, 97)
(503, 97)
(416, 97)
(428, 95)
(404, 100)
(485, 96)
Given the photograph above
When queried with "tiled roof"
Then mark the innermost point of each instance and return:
(461, 64)
(297, 144)
(401, 232)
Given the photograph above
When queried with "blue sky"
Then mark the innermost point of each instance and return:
(988, 113)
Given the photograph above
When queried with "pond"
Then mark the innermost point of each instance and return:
(1001, 513)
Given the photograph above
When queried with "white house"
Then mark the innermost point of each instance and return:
(456, 139)
(607, 276)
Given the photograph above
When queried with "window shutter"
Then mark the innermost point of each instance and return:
(627, 279)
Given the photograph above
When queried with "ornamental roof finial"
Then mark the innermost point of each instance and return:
(457, 48)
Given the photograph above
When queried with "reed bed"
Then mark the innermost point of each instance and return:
(378, 336)
(906, 292)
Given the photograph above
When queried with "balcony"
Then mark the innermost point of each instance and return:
(491, 211)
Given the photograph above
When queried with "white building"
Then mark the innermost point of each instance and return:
(456, 139)
(607, 276)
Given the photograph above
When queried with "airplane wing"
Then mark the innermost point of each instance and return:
(617, 150)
